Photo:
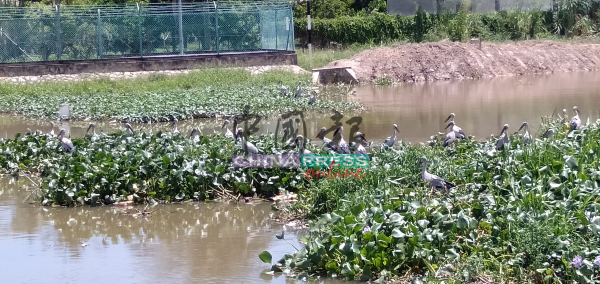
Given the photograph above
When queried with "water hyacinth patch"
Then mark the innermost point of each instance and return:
(528, 212)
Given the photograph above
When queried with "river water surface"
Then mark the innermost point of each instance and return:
(220, 243)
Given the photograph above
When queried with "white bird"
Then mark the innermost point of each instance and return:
(66, 143)
(503, 138)
(228, 132)
(93, 128)
(313, 99)
(300, 143)
(433, 180)
(194, 135)
(576, 121)
(175, 123)
(298, 91)
(360, 149)
(451, 136)
(129, 129)
(326, 141)
(246, 146)
(284, 89)
(526, 135)
(549, 133)
(392, 139)
(459, 133)
(342, 146)
(51, 133)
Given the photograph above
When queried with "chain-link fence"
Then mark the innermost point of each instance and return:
(96, 32)
(409, 7)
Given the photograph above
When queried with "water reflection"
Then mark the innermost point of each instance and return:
(482, 107)
(208, 242)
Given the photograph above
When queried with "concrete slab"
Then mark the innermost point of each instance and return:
(334, 75)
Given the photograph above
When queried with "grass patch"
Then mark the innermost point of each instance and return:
(324, 56)
(205, 93)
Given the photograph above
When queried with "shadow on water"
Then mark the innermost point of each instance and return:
(482, 107)
(179, 243)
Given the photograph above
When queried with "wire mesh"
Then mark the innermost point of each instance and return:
(97, 32)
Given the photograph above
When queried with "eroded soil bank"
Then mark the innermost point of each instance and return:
(445, 60)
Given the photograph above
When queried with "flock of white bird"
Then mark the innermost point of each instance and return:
(340, 145)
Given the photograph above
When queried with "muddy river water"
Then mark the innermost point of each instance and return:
(219, 243)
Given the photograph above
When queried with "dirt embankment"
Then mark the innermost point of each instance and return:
(419, 62)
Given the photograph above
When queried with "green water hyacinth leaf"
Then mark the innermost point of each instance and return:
(266, 257)
(423, 223)
(396, 233)
(571, 162)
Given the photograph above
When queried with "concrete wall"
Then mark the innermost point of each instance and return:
(148, 63)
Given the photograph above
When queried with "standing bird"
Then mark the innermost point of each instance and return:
(576, 121)
(433, 180)
(360, 149)
(503, 138)
(93, 128)
(526, 135)
(549, 133)
(51, 133)
(300, 143)
(194, 136)
(129, 130)
(66, 143)
(290, 143)
(392, 139)
(342, 146)
(298, 91)
(246, 146)
(175, 123)
(313, 99)
(459, 133)
(451, 136)
(326, 141)
(284, 90)
(228, 132)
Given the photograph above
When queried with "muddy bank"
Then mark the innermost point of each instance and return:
(445, 60)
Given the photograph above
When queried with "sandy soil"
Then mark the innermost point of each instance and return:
(445, 60)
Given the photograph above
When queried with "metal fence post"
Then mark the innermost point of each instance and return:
(58, 32)
(44, 58)
(217, 24)
(180, 29)
(99, 30)
(140, 30)
(276, 33)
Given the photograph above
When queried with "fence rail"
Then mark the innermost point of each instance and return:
(95, 32)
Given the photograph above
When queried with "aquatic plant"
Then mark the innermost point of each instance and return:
(165, 105)
(523, 213)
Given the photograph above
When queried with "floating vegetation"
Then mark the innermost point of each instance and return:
(147, 106)
(523, 213)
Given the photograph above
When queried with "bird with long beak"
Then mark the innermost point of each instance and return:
(451, 136)
(194, 135)
(246, 146)
(313, 99)
(300, 143)
(93, 128)
(129, 129)
(228, 132)
(51, 133)
(326, 141)
(298, 91)
(360, 149)
(576, 121)
(549, 133)
(392, 139)
(66, 143)
(284, 90)
(526, 135)
(503, 138)
(433, 180)
(175, 123)
(342, 146)
(457, 130)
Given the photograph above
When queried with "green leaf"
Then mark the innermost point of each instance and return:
(266, 257)
(356, 210)
(396, 233)
(451, 254)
